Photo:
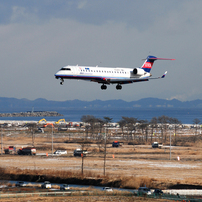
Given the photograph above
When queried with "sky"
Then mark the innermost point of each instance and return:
(39, 37)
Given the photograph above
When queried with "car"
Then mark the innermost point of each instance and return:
(158, 192)
(107, 189)
(20, 184)
(79, 152)
(59, 152)
(64, 187)
(144, 191)
(46, 185)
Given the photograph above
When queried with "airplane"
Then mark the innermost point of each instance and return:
(110, 75)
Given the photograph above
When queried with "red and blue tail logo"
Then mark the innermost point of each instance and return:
(149, 63)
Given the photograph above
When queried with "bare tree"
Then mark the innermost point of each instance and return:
(101, 123)
(122, 124)
(143, 125)
(90, 120)
(130, 124)
(176, 123)
(107, 120)
(163, 120)
(32, 127)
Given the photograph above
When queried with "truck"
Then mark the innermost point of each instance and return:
(10, 150)
(115, 144)
(157, 145)
(27, 151)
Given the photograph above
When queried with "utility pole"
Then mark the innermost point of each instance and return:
(170, 145)
(52, 140)
(82, 157)
(105, 150)
(1, 141)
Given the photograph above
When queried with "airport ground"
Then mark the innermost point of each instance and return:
(128, 166)
(85, 199)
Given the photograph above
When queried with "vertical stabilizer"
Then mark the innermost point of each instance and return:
(149, 63)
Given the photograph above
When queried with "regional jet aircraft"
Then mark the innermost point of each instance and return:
(110, 75)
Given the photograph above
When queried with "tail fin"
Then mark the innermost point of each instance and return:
(149, 63)
(147, 66)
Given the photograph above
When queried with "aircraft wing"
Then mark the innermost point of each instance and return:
(118, 81)
(124, 81)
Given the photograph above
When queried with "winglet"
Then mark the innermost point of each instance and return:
(164, 74)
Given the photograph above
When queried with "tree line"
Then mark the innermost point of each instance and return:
(131, 126)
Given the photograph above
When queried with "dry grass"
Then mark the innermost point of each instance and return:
(127, 166)
(95, 198)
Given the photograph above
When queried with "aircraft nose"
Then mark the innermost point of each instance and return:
(57, 75)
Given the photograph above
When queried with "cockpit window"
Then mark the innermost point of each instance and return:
(66, 68)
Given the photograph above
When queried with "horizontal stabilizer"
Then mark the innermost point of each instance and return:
(160, 59)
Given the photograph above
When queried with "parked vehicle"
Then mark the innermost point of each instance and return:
(144, 191)
(27, 151)
(64, 187)
(10, 150)
(107, 189)
(20, 184)
(158, 192)
(59, 152)
(157, 145)
(115, 144)
(78, 152)
(40, 130)
(46, 185)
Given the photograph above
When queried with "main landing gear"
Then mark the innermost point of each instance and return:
(103, 87)
(118, 87)
(61, 82)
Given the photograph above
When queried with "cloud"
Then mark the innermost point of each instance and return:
(40, 38)
(82, 4)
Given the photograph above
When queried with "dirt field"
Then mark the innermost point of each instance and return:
(135, 165)
(85, 199)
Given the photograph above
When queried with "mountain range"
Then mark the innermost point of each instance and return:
(14, 104)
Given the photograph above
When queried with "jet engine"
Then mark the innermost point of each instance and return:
(138, 71)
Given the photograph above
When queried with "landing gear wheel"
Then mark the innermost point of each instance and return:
(62, 81)
(118, 87)
(103, 87)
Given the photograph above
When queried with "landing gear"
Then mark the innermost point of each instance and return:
(61, 82)
(103, 87)
(118, 87)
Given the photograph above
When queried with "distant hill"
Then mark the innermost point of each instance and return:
(13, 104)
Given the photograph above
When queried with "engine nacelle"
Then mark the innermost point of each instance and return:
(138, 71)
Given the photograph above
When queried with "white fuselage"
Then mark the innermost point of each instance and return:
(99, 74)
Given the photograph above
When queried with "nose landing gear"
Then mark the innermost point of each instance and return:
(61, 82)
